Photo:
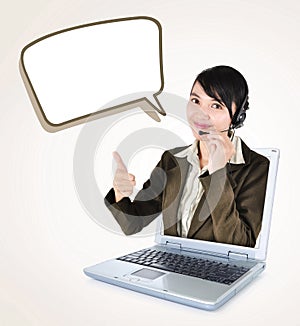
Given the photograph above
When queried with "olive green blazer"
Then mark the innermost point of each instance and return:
(230, 209)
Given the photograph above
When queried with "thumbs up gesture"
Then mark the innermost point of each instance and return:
(123, 181)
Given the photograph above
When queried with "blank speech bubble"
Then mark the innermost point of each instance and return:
(71, 75)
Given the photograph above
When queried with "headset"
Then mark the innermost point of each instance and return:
(240, 114)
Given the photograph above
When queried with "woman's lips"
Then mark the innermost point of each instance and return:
(202, 126)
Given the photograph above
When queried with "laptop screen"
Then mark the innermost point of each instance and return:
(244, 222)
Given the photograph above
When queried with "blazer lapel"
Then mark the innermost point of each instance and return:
(232, 168)
(200, 216)
(176, 178)
(202, 212)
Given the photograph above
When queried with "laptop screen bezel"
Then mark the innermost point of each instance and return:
(257, 253)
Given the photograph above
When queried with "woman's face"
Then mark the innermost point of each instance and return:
(206, 113)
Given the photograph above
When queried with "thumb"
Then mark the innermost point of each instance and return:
(119, 161)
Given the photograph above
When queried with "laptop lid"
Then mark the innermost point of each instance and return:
(259, 252)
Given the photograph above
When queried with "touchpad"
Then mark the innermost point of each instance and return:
(148, 273)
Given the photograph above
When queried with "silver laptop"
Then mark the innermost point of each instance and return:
(197, 273)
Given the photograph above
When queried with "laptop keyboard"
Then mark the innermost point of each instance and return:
(186, 265)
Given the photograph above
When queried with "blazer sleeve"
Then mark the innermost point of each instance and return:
(133, 216)
(237, 215)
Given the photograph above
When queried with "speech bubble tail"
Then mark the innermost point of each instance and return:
(152, 114)
(155, 104)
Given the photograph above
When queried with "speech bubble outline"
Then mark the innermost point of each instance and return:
(148, 105)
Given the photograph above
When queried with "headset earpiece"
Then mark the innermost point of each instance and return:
(240, 115)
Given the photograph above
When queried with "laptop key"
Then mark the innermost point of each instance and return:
(163, 267)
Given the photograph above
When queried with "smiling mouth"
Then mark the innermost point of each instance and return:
(202, 126)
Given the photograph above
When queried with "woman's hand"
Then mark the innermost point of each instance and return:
(123, 181)
(220, 150)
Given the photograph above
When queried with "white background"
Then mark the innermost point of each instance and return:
(46, 237)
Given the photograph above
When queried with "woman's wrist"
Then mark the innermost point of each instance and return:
(118, 195)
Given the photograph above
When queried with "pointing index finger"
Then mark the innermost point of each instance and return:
(119, 161)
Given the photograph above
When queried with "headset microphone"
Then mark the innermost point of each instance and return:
(201, 132)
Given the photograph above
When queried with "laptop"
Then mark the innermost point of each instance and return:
(201, 274)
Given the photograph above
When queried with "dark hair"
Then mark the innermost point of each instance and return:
(225, 84)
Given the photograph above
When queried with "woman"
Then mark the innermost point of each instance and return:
(211, 190)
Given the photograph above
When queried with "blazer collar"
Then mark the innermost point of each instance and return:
(247, 158)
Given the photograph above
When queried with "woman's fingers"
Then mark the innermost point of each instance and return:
(220, 150)
(119, 161)
(123, 181)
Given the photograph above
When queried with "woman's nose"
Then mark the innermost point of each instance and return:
(198, 110)
(204, 110)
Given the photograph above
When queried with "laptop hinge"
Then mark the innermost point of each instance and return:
(237, 255)
(173, 245)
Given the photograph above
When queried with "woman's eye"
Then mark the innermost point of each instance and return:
(195, 100)
(216, 106)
